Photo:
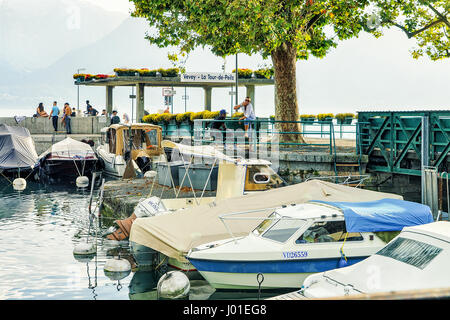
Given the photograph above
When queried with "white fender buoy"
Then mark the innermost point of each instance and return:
(82, 182)
(150, 174)
(84, 258)
(117, 269)
(173, 285)
(84, 249)
(19, 184)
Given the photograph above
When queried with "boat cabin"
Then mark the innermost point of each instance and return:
(145, 139)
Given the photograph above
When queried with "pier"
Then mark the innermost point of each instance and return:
(43, 134)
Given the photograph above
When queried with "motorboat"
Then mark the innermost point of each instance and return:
(67, 160)
(173, 235)
(138, 142)
(417, 259)
(18, 157)
(299, 240)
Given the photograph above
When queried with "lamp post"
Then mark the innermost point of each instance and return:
(236, 72)
(78, 92)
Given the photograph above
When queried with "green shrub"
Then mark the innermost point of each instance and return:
(266, 73)
(237, 115)
(183, 116)
(323, 116)
(342, 116)
(307, 116)
(244, 73)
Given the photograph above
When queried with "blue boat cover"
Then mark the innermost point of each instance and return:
(382, 215)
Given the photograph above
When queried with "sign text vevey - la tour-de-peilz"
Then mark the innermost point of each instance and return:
(208, 77)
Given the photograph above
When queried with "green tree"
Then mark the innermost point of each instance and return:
(424, 20)
(285, 30)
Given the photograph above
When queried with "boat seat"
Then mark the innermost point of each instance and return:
(325, 238)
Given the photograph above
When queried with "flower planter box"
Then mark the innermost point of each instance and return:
(345, 121)
(199, 174)
(126, 74)
(171, 128)
(185, 127)
(308, 119)
(327, 119)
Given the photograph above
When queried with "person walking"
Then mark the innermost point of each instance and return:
(248, 113)
(54, 115)
(126, 118)
(67, 118)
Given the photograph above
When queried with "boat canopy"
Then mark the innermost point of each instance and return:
(176, 233)
(70, 149)
(382, 215)
(146, 139)
(17, 148)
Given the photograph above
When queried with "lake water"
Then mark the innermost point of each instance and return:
(39, 229)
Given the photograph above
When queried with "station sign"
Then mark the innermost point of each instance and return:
(208, 77)
(168, 92)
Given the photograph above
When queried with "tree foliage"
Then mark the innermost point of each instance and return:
(424, 20)
(251, 26)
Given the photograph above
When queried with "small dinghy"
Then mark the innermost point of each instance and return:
(297, 241)
(66, 161)
(18, 157)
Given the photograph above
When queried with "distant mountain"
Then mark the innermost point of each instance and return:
(123, 47)
(34, 34)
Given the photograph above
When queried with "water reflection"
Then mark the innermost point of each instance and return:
(39, 229)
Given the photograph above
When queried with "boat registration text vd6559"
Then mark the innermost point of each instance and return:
(295, 254)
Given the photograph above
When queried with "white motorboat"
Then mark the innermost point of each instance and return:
(299, 240)
(139, 141)
(417, 259)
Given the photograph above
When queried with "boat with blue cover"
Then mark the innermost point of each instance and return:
(299, 240)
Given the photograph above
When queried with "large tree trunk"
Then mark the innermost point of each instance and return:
(286, 108)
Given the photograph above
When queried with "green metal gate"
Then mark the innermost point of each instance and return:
(392, 140)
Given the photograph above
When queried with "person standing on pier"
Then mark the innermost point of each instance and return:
(115, 118)
(67, 118)
(54, 115)
(88, 106)
(248, 113)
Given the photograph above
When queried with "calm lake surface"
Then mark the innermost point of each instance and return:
(39, 229)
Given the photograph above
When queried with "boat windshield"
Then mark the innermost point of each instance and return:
(279, 229)
(263, 226)
(412, 252)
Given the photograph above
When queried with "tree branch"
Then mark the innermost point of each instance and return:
(440, 15)
(412, 34)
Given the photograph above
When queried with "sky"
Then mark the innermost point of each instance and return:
(361, 74)
(113, 5)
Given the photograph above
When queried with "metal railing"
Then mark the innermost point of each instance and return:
(263, 131)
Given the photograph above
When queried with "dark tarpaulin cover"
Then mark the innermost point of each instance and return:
(17, 149)
(382, 215)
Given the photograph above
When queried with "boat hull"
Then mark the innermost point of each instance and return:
(66, 170)
(243, 275)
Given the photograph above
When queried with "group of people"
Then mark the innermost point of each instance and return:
(68, 113)
(248, 116)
